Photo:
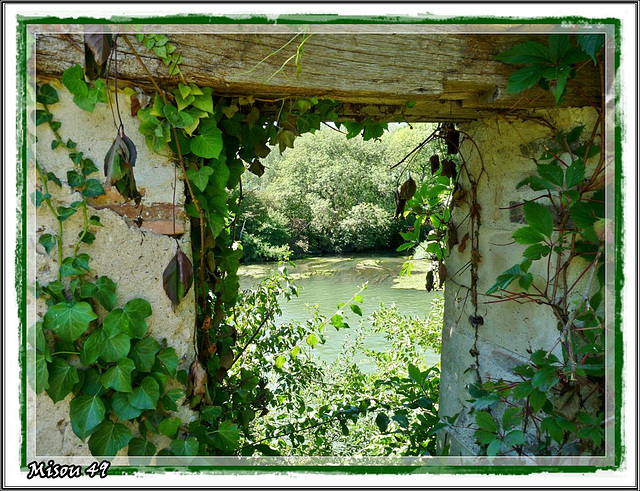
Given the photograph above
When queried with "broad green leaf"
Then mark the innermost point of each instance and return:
(183, 448)
(116, 347)
(47, 95)
(591, 44)
(109, 438)
(92, 347)
(105, 292)
(146, 395)
(178, 119)
(522, 390)
(208, 142)
(511, 417)
(415, 374)
(143, 354)
(221, 173)
(203, 101)
(401, 419)
(141, 447)
(92, 188)
(116, 322)
(494, 448)
(537, 399)
(545, 378)
(42, 117)
(47, 241)
(42, 373)
(551, 173)
(484, 437)
(69, 320)
(168, 359)
(62, 378)
(86, 412)
(486, 421)
(200, 178)
(73, 80)
(226, 436)
(536, 251)
(529, 52)
(514, 438)
(559, 45)
(539, 217)
(356, 309)
(312, 340)
(525, 281)
(337, 321)
(280, 361)
(575, 173)
(74, 179)
(536, 183)
(524, 79)
(169, 426)
(92, 386)
(527, 235)
(118, 377)
(123, 408)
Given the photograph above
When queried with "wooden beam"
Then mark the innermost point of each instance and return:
(452, 77)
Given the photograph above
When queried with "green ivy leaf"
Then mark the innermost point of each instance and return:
(169, 426)
(116, 347)
(118, 377)
(92, 384)
(43, 117)
(92, 188)
(47, 241)
(188, 447)
(539, 217)
(73, 80)
(42, 373)
(143, 354)
(208, 142)
(200, 178)
(109, 438)
(123, 408)
(226, 436)
(146, 395)
(204, 101)
(69, 320)
(168, 359)
(86, 413)
(104, 291)
(92, 347)
(62, 378)
(141, 447)
(178, 119)
(47, 95)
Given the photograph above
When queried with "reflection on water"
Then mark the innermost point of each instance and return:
(326, 282)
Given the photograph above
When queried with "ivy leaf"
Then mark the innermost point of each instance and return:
(143, 354)
(86, 413)
(141, 447)
(116, 347)
(47, 95)
(146, 395)
(203, 101)
(43, 116)
(208, 142)
(226, 436)
(42, 373)
(118, 165)
(188, 447)
(284, 140)
(62, 378)
(178, 119)
(169, 426)
(69, 320)
(536, 251)
(73, 80)
(200, 178)
(168, 359)
(256, 167)
(123, 408)
(118, 377)
(539, 217)
(524, 79)
(177, 277)
(382, 421)
(103, 290)
(92, 347)
(48, 241)
(92, 188)
(109, 438)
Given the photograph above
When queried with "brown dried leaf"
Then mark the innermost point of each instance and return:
(452, 138)
(453, 237)
(435, 164)
(463, 244)
(197, 379)
(475, 257)
(256, 167)
(177, 277)
(442, 273)
(429, 281)
(226, 360)
(135, 106)
(408, 189)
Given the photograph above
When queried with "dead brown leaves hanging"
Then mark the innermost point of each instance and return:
(118, 166)
(97, 49)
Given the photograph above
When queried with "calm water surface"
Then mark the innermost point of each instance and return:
(326, 282)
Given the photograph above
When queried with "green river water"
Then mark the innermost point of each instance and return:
(327, 281)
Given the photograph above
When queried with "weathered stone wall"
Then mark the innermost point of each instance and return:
(508, 329)
(133, 254)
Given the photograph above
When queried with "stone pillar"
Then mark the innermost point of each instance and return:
(486, 340)
(132, 247)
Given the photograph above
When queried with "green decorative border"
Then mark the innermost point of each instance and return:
(327, 19)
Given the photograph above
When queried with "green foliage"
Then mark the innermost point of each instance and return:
(549, 412)
(549, 66)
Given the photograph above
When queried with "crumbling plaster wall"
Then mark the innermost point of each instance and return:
(505, 147)
(134, 255)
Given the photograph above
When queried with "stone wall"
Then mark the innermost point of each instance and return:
(131, 252)
(508, 330)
